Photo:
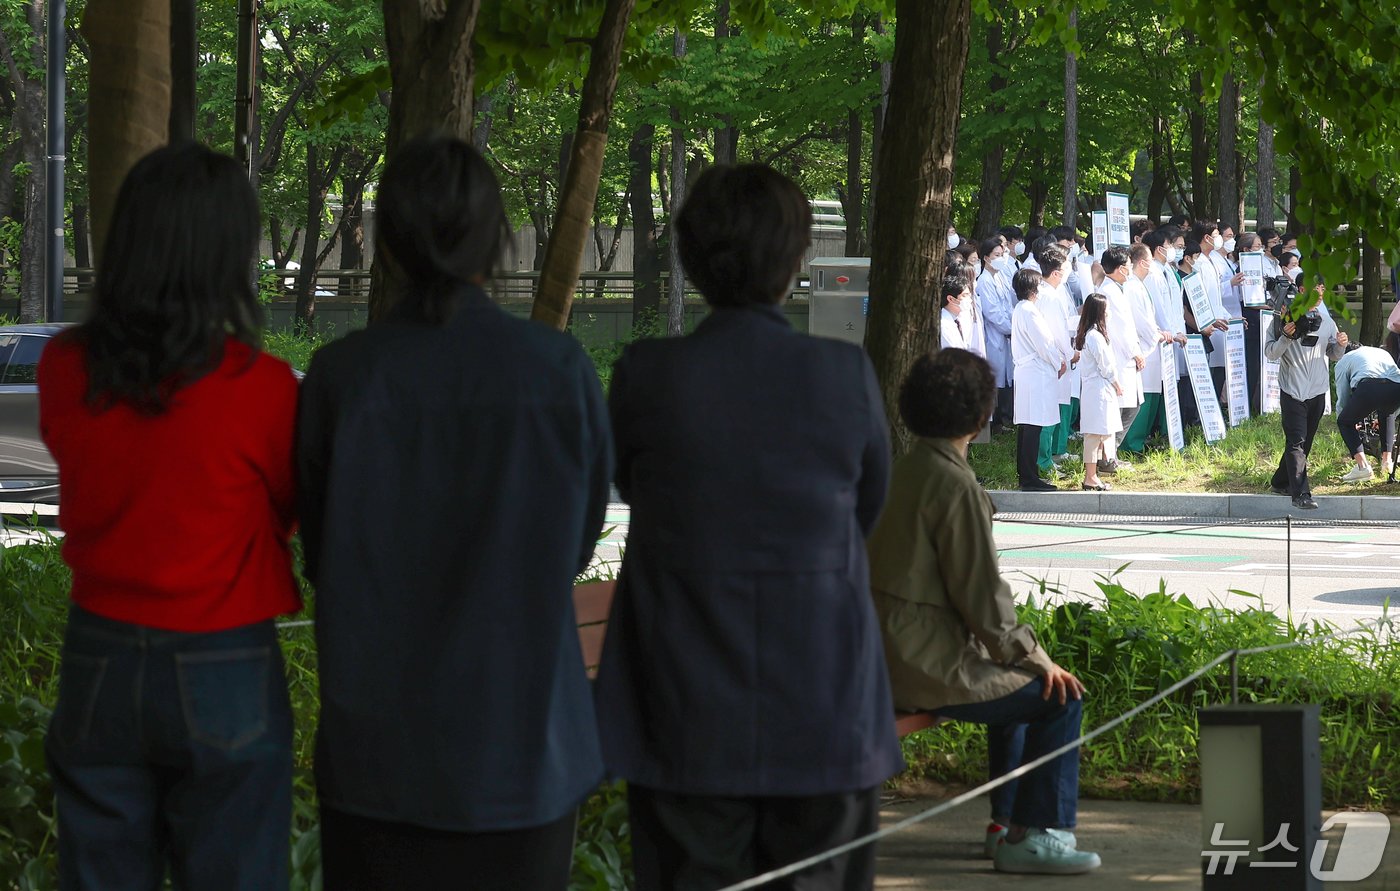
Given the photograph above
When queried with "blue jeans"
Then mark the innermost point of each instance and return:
(171, 748)
(1021, 727)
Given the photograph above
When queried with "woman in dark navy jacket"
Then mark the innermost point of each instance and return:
(742, 691)
(454, 465)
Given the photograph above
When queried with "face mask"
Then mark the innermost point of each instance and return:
(1295, 252)
(1015, 248)
(953, 240)
(1074, 251)
(977, 266)
(1229, 245)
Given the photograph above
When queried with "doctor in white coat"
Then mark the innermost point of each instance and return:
(1152, 414)
(997, 300)
(1124, 341)
(953, 329)
(1040, 359)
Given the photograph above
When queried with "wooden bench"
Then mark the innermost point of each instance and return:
(593, 601)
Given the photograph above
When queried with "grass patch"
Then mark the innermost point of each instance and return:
(1126, 647)
(1242, 462)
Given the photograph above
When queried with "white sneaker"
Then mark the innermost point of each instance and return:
(1044, 854)
(1357, 474)
(996, 832)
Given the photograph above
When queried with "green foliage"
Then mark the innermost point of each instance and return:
(1328, 76)
(1127, 646)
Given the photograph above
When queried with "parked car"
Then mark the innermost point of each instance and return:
(27, 470)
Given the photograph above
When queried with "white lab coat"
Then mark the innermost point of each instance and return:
(1037, 355)
(1056, 307)
(1210, 279)
(951, 330)
(974, 326)
(1098, 402)
(1166, 305)
(1229, 294)
(1148, 334)
(1123, 337)
(997, 299)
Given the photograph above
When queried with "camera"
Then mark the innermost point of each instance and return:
(1283, 299)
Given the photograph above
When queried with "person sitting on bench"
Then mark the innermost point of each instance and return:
(952, 641)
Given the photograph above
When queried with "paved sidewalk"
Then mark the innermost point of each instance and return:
(1143, 845)
(1385, 508)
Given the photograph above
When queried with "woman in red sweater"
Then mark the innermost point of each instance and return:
(170, 744)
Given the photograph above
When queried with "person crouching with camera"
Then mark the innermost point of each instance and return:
(1302, 349)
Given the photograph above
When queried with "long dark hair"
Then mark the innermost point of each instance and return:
(175, 278)
(1094, 314)
(441, 219)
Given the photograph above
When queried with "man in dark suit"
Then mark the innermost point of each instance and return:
(742, 692)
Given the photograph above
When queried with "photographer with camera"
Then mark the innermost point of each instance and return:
(1367, 381)
(1301, 340)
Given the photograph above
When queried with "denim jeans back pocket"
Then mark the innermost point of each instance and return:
(79, 683)
(224, 695)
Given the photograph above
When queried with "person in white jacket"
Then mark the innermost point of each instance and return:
(1131, 353)
(1040, 359)
(1060, 312)
(997, 299)
(953, 328)
(1162, 283)
(1153, 414)
(1099, 416)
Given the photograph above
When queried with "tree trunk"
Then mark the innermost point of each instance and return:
(32, 305)
(911, 222)
(28, 118)
(1264, 187)
(1373, 313)
(1072, 128)
(481, 133)
(82, 249)
(877, 129)
(317, 185)
(646, 256)
(1231, 198)
(1038, 191)
(991, 193)
(1200, 151)
(128, 96)
(352, 219)
(574, 217)
(675, 282)
(1294, 224)
(1157, 191)
(433, 74)
(726, 136)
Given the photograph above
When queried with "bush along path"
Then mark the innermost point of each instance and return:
(1125, 647)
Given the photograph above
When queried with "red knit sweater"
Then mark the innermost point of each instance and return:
(179, 521)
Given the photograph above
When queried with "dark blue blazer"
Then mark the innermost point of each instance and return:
(453, 482)
(742, 655)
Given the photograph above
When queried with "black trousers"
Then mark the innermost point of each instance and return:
(1370, 394)
(1253, 373)
(1186, 397)
(1003, 414)
(1028, 454)
(701, 842)
(362, 854)
(1300, 419)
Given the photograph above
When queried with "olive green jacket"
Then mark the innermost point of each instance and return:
(949, 625)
